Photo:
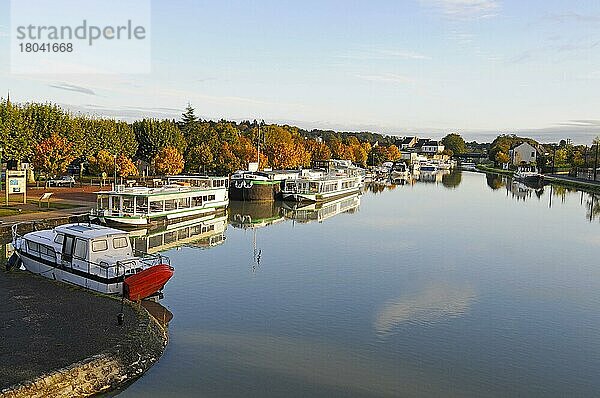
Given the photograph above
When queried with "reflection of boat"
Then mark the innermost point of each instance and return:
(259, 185)
(529, 175)
(428, 167)
(95, 257)
(183, 196)
(321, 211)
(399, 171)
(329, 179)
(157, 310)
(205, 231)
(432, 176)
(254, 215)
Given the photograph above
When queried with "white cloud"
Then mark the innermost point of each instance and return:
(464, 9)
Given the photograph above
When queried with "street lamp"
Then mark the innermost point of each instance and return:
(1, 150)
(115, 173)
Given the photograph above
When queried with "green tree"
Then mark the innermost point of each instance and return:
(455, 143)
(199, 158)
(154, 135)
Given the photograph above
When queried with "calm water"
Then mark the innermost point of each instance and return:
(461, 287)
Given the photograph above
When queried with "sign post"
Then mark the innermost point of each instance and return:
(16, 183)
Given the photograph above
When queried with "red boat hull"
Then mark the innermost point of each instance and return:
(146, 283)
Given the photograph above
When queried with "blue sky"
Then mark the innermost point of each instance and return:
(427, 66)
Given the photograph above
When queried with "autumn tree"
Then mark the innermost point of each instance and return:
(102, 162)
(317, 150)
(168, 161)
(53, 155)
(126, 167)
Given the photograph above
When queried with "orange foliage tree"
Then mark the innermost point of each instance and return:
(125, 166)
(168, 161)
(53, 155)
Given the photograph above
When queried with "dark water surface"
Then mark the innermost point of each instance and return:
(467, 287)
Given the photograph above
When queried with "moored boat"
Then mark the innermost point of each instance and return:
(327, 181)
(181, 197)
(263, 185)
(95, 257)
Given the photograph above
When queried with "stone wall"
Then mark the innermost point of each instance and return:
(102, 372)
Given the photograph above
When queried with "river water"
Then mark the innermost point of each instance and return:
(466, 286)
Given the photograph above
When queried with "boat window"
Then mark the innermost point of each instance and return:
(211, 197)
(99, 245)
(119, 243)
(80, 249)
(59, 238)
(33, 247)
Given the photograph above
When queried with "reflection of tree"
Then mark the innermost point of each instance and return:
(452, 180)
(375, 188)
(593, 207)
(494, 181)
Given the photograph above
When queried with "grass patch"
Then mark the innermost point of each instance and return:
(32, 206)
(490, 169)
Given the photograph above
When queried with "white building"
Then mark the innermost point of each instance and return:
(524, 154)
(432, 147)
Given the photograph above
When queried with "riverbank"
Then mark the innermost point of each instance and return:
(489, 169)
(62, 341)
(589, 186)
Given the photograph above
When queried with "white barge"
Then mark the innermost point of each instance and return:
(181, 197)
(95, 257)
(328, 180)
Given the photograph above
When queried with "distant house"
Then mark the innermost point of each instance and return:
(407, 142)
(525, 154)
(432, 147)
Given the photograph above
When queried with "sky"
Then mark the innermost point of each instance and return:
(427, 67)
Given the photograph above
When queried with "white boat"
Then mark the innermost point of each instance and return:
(95, 257)
(324, 183)
(182, 196)
(529, 175)
(263, 185)
(468, 166)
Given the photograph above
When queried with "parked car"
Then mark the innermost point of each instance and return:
(64, 181)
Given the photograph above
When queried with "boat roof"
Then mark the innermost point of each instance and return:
(145, 191)
(88, 231)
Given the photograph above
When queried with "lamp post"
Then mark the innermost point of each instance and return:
(1, 150)
(596, 161)
(115, 173)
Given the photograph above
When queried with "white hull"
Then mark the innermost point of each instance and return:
(50, 272)
(145, 220)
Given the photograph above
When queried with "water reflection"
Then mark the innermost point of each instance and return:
(254, 214)
(205, 231)
(433, 304)
(305, 213)
(448, 178)
(522, 192)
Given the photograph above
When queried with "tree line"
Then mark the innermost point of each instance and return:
(52, 138)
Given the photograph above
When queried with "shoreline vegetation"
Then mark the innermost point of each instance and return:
(53, 141)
